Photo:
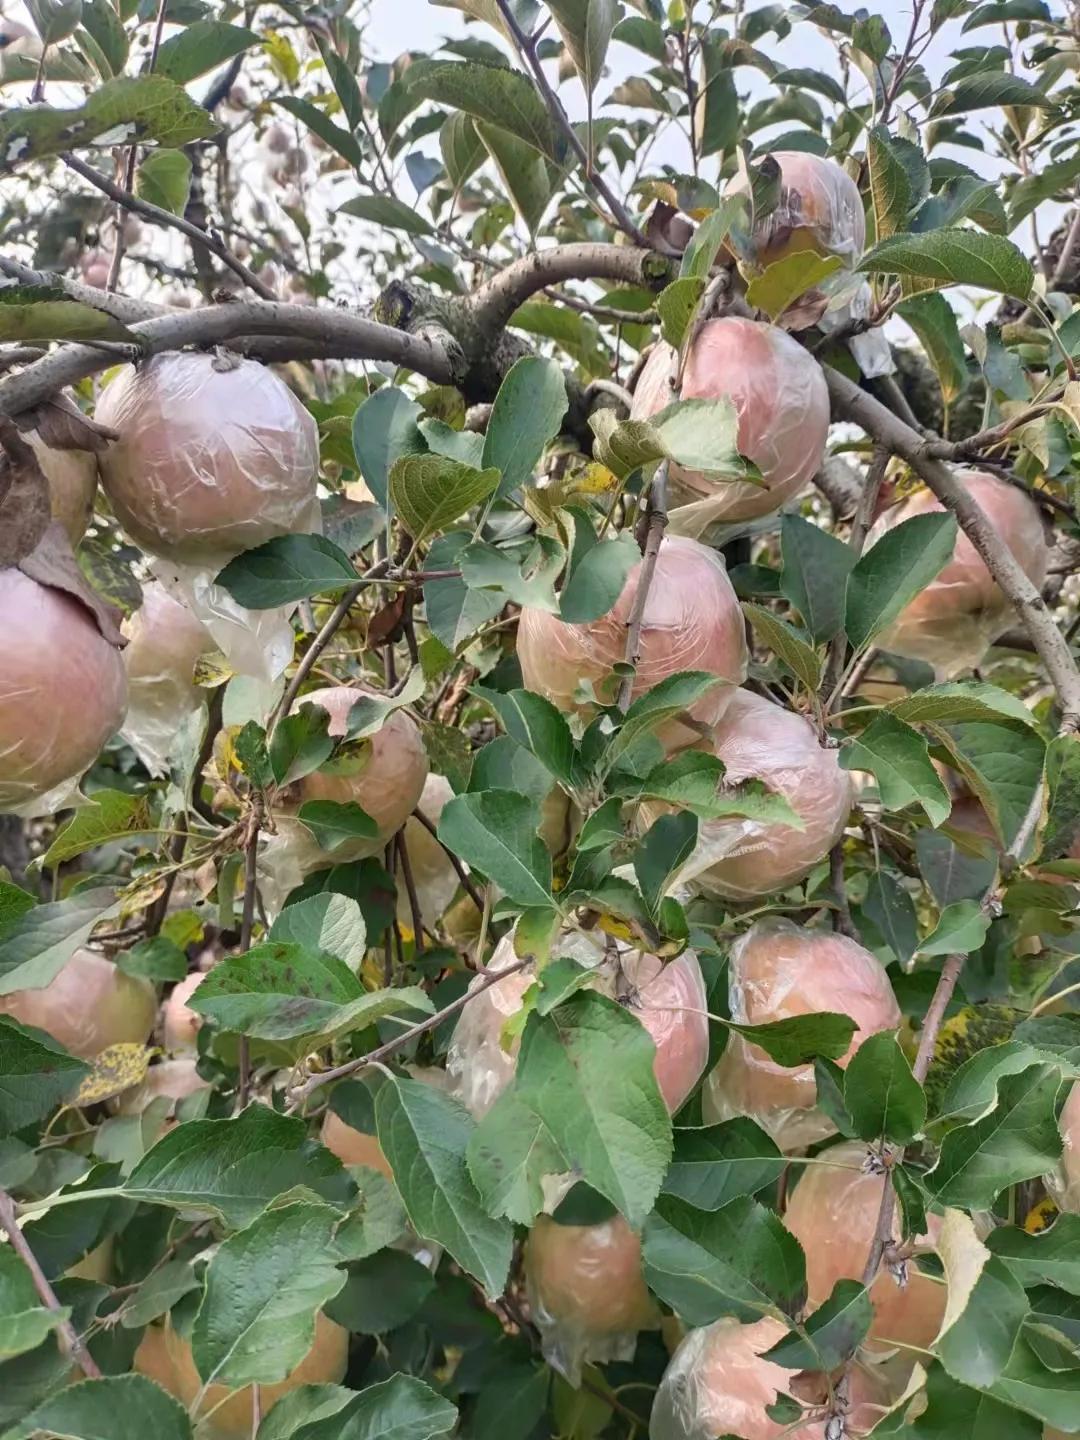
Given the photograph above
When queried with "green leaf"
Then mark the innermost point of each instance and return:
(538, 726)
(881, 1094)
(116, 1407)
(960, 930)
(105, 27)
(384, 429)
(718, 117)
(158, 1293)
(1016, 1141)
(264, 1287)
(301, 743)
(370, 713)
(719, 1163)
(586, 1072)
(786, 644)
(782, 283)
(387, 212)
(696, 781)
(1062, 772)
(989, 89)
(332, 822)
(201, 46)
(156, 959)
(401, 1408)
(320, 124)
(956, 1412)
(493, 93)
(31, 314)
(510, 1154)
(24, 1322)
(663, 849)
(892, 910)
(832, 1333)
(1048, 1391)
(235, 1168)
(898, 758)
(430, 492)
(586, 26)
(603, 827)
(737, 1261)
(526, 415)
(326, 922)
(671, 697)
(798, 1039)
(424, 1135)
(109, 816)
(676, 305)
(960, 701)
(461, 147)
(495, 831)
(128, 110)
(704, 245)
(973, 1087)
(163, 178)
(890, 188)
(894, 571)
(524, 172)
(36, 1073)
(976, 1347)
(36, 945)
(1050, 1258)
(934, 322)
(955, 257)
(1002, 764)
(598, 579)
(816, 567)
(279, 991)
(524, 572)
(287, 568)
(382, 1293)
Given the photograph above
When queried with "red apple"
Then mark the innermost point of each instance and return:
(820, 209)
(88, 1006)
(782, 404)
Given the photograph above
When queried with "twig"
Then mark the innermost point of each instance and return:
(247, 925)
(841, 916)
(654, 534)
(459, 869)
(330, 627)
(497, 299)
(207, 238)
(410, 887)
(486, 980)
(46, 1293)
(129, 160)
(526, 48)
(851, 403)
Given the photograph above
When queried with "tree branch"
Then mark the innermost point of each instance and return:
(46, 1293)
(459, 869)
(496, 300)
(851, 403)
(487, 978)
(526, 48)
(207, 238)
(332, 332)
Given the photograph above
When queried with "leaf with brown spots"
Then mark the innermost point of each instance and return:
(116, 1069)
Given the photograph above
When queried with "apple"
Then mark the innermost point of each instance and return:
(88, 1006)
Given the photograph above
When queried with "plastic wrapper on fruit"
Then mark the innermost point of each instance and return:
(215, 456)
(718, 1383)
(852, 299)
(1064, 1182)
(165, 641)
(692, 621)
(72, 477)
(87, 1006)
(778, 970)
(955, 620)
(743, 858)
(669, 1000)
(587, 1295)
(383, 773)
(819, 208)
(255, 643)
(782, 403)
(833, 1213)
(63, 692)
(433, 876)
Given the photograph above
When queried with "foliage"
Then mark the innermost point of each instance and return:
(466, 371)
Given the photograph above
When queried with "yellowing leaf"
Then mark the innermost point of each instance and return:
(116, 1069)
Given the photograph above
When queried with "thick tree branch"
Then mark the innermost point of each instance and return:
(494, 303)
(120, 307)
(851, 403)
(46, 1293)
(330, 332)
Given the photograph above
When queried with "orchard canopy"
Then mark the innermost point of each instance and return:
(539, 707)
